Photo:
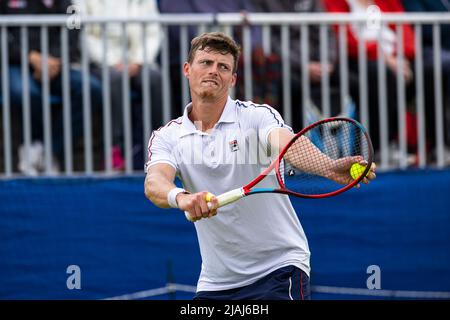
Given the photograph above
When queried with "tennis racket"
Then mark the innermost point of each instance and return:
(324, 159)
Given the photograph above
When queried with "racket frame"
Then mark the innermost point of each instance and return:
(248, 188)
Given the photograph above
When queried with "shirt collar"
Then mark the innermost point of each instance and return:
(228, 116)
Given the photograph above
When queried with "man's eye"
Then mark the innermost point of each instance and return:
(223, 67)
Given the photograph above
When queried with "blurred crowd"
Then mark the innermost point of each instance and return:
(266, 67)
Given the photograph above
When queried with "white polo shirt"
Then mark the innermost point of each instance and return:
(254, 236)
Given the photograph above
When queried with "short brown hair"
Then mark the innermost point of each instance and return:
(217, 42)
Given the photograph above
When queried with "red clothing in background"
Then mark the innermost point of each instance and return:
(390, 6)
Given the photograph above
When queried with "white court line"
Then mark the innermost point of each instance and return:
(174, 287)
(169, 288)
(383, 293)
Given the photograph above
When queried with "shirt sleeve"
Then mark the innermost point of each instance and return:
(160, 150)
(268, 119)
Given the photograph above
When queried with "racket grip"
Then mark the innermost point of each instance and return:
(229, 197)
(188, 216)
(223, 199)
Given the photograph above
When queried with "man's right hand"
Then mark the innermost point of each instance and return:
(195, 204)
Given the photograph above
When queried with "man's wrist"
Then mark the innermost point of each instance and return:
(172, 196)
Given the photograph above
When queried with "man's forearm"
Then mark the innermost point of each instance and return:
(304, 155)
(156, 190)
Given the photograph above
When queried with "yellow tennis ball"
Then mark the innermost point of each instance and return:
(356, 170)
(208, 197)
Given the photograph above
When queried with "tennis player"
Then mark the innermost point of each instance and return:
(254, 248)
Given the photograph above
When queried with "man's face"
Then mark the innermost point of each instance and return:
(211, 74)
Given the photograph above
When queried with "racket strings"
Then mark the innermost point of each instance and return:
(305, 170)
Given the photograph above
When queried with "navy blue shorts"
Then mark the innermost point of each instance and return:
(287, 283)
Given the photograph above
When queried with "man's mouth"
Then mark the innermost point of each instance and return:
(210, 82)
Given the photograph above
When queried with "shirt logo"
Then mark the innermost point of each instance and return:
(234, 145)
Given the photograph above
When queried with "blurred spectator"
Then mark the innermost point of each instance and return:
(428, 62)
(35, 57)
(265, 76)
(421, 6)
(135, 61)
(388, 44)
(315, 68)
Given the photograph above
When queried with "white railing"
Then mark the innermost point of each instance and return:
(206, 22)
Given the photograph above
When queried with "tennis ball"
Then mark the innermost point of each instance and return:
(208, 197)
(356, 169)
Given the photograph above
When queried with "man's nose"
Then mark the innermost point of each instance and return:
(214, 68)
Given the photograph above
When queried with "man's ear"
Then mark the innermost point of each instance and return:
(233, 80)
(186, 68)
